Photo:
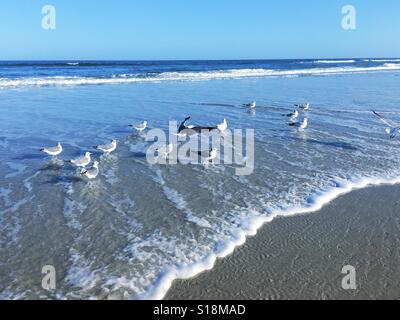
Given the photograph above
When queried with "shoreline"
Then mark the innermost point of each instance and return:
(290, 255)
(162, 288)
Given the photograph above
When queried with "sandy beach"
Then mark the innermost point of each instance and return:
(301, 257)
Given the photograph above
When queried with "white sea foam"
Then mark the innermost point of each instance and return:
(70, 213)
(122, 204)
(80, 273)
(27, 182)
(384, 60)
(111, 176)
(15, 206)
(9, 219)
(5, 194)
(9, 295)
(189, 76)
(334, 61)
(17, 167)
(392, 65)
(179, 202)
(250, 227)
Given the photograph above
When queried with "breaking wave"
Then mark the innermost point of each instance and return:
(334, 61)
(186, 76)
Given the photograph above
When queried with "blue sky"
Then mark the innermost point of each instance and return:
(198, 29)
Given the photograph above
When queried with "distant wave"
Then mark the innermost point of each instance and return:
(57, 64)
(392, 65)
(381, 60)
(188, 76)
(384, 60)
(334, 61)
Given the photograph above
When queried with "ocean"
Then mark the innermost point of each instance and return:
(129, 233)
(53, 73)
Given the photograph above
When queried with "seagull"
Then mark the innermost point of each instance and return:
(139, 127)
(185, 130)
(304, 124)
(53, 151)
(166, 150)
(252, 105)
(294, 115)
(223, 126)
(82, 161)
(108, 148)
(183, 125)
(394, 128)
(91, 173)
(208, 156)
(301, 125)
(304, 106)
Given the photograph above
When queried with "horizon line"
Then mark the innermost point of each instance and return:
(162, 60)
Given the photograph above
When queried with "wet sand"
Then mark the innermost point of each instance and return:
(301, 257)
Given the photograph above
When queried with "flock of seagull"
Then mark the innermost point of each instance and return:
(294, 116)
(183, 130)
(187, 130)
(91, 173)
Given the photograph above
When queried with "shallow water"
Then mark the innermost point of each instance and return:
(123, 234)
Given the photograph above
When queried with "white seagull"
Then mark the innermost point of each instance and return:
(139, 127)
(208, 156)
(304, 106)
(394, 128)
(91, 173)
(82, 161)
(304, 124)
(108, 148)
(53, 151)
(294, 115)
(166, 150)
(223, 126)
(212, 155)
(252, 105)
(301, 125)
